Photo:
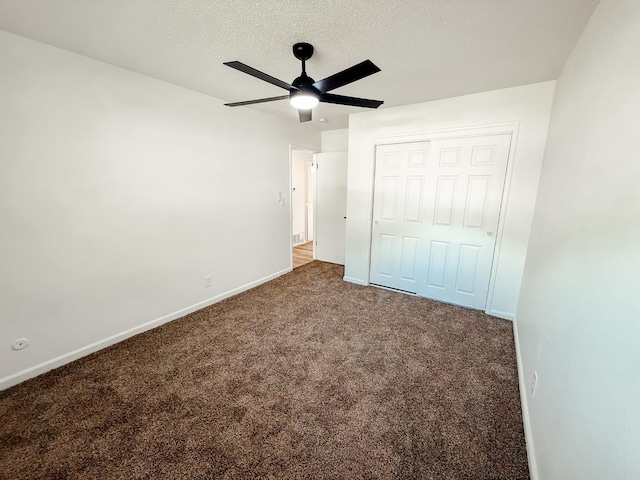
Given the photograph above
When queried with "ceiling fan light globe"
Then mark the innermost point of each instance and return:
(303, 101)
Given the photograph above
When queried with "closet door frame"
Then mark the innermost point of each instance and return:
(457, 132)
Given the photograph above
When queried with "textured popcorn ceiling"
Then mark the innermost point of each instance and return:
(427, 49)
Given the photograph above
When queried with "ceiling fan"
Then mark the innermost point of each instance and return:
(305, 92)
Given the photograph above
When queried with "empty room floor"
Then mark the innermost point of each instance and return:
(305, 376)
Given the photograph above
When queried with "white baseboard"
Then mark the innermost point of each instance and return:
(56, 362)
(499, 314)
(357, 281)
(531, 456)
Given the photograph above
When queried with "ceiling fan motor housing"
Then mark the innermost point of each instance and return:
(304, 81)
(304, 84)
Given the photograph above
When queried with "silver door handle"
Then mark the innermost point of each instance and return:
(376, 222)
(489, 234)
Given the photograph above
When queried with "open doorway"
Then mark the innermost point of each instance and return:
(302, 206)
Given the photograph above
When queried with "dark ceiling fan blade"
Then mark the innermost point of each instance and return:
(260, 100)
(305, 115)
(261, 75)
(354, 101)
(351, 74)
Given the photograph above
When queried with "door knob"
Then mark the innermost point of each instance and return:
(376, 222)
(489, 234)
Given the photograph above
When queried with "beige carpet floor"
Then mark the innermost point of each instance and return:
(304, 377)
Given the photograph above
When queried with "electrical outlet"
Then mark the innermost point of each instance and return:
(208, 281)
(20, 344)
(534, 383)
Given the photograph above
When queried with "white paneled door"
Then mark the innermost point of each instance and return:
(331, 206)
(445, 254)
(400, 182)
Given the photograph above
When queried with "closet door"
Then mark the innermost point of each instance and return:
(435, 216)
(465, 182)
(400, 181)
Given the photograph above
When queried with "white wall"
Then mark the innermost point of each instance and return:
(119, 193)
(578, 319)
(529, 106)
(335, 140)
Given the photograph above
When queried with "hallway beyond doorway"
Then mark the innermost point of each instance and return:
(302, 254)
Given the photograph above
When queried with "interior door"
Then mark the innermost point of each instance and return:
(464, 189)
(331, 207)
(398, 210)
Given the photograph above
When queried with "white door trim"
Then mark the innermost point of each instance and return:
(512, 128)
(289, 197)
